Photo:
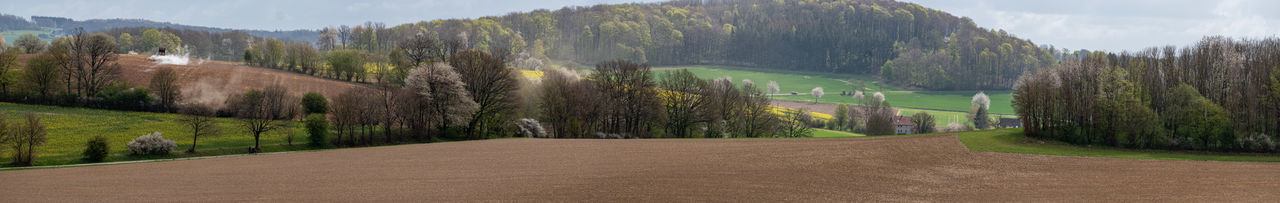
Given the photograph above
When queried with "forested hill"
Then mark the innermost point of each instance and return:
(929, 48)
(11, 22)
(907, 44)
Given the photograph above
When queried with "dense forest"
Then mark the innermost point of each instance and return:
(1219, 94)
(12, 22)
(908, 44)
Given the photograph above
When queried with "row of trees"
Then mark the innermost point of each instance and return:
(475, 95)
(623, 99)
(1219, 94)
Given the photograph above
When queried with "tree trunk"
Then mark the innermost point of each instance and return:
(256, 147)
(193, 143)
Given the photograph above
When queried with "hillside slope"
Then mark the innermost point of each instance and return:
(209, 82)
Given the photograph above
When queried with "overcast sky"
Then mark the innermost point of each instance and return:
(1117, 25)
(1112, 25)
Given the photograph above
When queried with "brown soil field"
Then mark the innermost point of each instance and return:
(209, 82)
(912, 168)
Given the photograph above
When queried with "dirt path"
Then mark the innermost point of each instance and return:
(919, 168)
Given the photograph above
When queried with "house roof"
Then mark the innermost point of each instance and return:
(1010, 121)
(903, 120)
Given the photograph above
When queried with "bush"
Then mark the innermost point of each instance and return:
(956, 127)
(96, 149)
(1257, 142)
(317, 130)
(151, 144)
(315, 103)
(530, 128)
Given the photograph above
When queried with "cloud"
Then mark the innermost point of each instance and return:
(1118, 25)
(1232, 19)
(356, 7)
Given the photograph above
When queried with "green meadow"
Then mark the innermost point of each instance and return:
(70, 128)
(12, 35)
(1012, 141)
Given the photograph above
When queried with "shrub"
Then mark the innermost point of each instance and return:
(1257, 142)
(956, 127)
(317, 130)
(96, 149)
(151, 144)
(315, 103)
(530, 128)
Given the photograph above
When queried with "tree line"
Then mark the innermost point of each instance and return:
(1219, 94)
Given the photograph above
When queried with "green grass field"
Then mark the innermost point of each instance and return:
(824, 133)
(69, 129)
(1012, 141)
(833, 84)
(12, 35)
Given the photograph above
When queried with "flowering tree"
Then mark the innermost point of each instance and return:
(817, 93)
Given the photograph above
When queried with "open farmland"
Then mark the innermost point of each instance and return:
(899, 168)
(833, 84)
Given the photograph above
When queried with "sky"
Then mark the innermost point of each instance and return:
(1111, 25)
(1119, 25)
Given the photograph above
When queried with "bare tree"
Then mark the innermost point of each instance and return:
(879, 116)
(491, 85)
(924, 122)
(629, 98)
(328, 39)
(41, 74)
(265, 110)
(683, 97)
(564, 101)
(346, 112)
(98, 59)
(164, 83)
(344, 35)
(726, 103)
(421, 49)
(799, 124)
(753, 115)
(24, 138)
(199, 118)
